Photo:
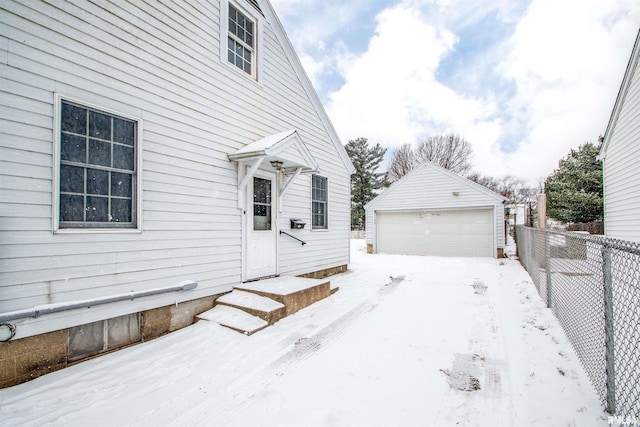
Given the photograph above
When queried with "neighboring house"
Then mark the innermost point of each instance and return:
(432, 211)
(620, 155)
(146, 146)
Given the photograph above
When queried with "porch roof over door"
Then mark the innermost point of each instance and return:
(285, 147)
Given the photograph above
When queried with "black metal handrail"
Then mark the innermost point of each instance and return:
(293, 237)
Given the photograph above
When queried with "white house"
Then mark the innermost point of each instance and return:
(620, 155)
(146, 148)
(432, 211)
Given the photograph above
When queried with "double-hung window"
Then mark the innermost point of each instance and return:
(97, 181)
(319, 202)
(241, 41)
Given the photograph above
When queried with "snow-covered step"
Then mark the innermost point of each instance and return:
(334, 288)
(256, 305)
(235, 319)
(295, 293)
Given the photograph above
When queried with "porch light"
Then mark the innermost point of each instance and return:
(277, 164)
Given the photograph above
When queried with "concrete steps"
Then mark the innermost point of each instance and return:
(265, 308)
(235, 319)
(252, 306)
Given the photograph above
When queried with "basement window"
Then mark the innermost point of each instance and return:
(105, 335)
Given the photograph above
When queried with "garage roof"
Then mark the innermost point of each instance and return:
(461, 182)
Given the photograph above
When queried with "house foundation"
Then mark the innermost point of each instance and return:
(27, 358)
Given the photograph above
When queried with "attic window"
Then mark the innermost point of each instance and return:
(241, 41)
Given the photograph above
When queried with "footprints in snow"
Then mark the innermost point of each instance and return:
(533, 324)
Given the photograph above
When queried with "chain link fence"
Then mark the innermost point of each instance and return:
(592, 285)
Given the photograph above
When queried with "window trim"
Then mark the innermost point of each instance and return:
(251, 13)
(57, 155)
(326, 211)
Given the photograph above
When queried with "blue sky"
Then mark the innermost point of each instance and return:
(522, 80)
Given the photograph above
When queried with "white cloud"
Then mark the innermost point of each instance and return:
(567, 60)
(312, 27)
(392, 96)
(389, 89)
(561, 70)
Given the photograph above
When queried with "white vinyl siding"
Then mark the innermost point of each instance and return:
(621, 165)
(159, 62)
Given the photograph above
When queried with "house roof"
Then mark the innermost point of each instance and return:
(622, 93)
(431, 165)
(281, 35)
(286, 147)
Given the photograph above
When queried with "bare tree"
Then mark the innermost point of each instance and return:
(449, 151)
(402, 162)
(509, 186)
(486, 181)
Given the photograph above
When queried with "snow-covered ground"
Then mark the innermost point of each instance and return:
(406, 341)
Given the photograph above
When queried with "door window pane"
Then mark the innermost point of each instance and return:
(261, 204)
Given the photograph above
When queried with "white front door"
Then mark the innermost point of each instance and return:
(261, 232)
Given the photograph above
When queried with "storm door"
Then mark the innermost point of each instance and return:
(261, 237)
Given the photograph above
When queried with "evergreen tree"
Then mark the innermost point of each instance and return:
(365, 179)
(574, 190)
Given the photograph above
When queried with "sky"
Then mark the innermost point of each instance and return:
(523, 81)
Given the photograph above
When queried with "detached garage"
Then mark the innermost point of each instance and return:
(432, 211)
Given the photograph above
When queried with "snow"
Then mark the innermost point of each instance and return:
(265, 143)
(406, 341)
(283, 285)
(234, 318)
(250, 300)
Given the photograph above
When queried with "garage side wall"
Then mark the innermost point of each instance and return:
(430, 187)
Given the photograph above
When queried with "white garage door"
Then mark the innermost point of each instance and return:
(440, 233)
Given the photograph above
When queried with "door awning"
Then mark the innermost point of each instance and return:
(285, 147)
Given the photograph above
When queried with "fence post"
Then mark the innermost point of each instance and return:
(608, 329)
(548, 259)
